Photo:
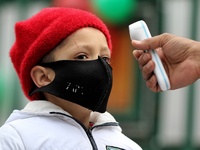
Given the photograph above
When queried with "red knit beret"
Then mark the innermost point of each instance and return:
(40, 34)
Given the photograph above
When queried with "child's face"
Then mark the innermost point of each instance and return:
(78, 85)
(84, 44)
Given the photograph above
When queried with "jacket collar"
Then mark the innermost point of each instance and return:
(42, 107)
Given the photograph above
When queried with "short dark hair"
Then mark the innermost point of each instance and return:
(48, 57)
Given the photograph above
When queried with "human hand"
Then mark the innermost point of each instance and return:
(180, 57)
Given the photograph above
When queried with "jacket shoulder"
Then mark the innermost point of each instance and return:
(10, 139)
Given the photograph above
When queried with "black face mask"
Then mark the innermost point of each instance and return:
(87, 83)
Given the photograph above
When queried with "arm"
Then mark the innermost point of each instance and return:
(180, 57)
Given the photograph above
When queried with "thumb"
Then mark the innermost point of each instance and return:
(151, 43)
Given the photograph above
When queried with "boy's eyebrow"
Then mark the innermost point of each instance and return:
(86, 46)
(105, 49)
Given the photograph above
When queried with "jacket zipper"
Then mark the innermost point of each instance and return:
(92, 141)
(87, 131)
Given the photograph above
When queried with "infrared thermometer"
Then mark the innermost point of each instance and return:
(139, 31)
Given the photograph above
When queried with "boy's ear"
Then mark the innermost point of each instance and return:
(42, 76)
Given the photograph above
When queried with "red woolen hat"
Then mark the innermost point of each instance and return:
(41, 33)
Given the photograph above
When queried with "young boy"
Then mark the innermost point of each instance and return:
(61, 56)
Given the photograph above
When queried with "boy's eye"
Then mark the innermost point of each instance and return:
(107, 59)
(82, 57)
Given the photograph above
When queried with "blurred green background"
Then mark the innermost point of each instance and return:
(156, 121)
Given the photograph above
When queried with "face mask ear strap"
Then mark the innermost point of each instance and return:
(31, 92)
(48, 64)
(34, 88)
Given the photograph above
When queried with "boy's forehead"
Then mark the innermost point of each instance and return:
(85, 36)
(83, 42)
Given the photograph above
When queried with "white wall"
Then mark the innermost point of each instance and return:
(174, 104)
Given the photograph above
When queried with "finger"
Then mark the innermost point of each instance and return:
(152, 43)
(147, 70)
(137, 54)
(144, 59)
(142, 45)
(152, 84)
